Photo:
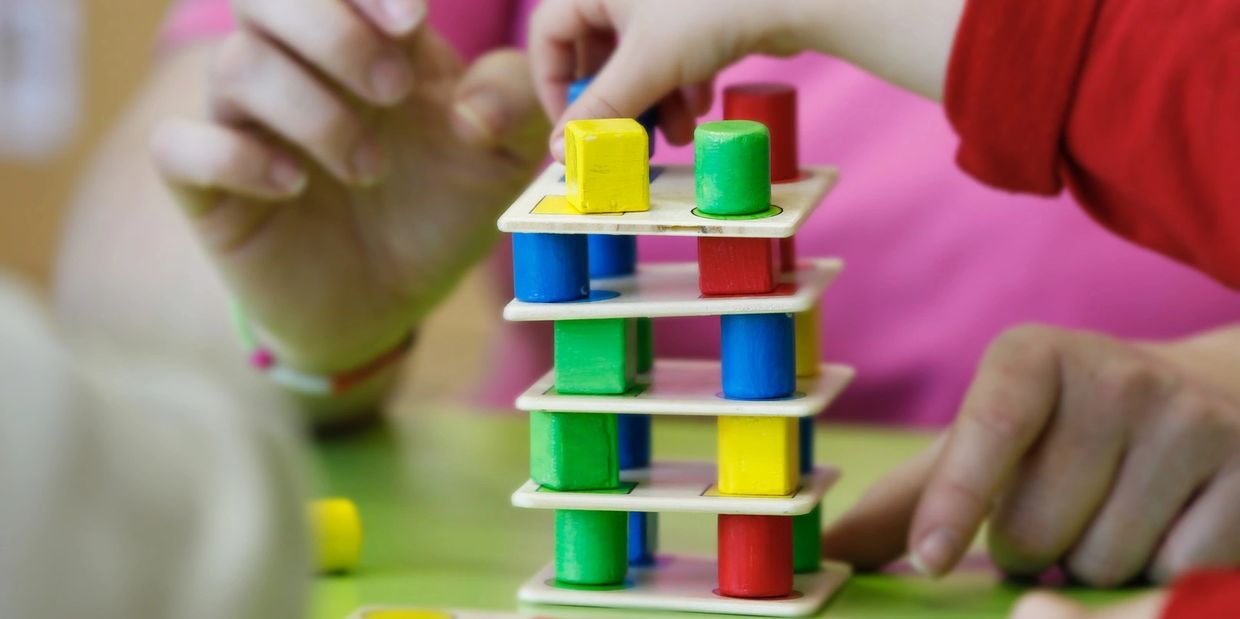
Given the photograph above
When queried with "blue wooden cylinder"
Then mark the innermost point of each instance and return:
(634, 431)
(612, 255)
(547, 268)
(805, 434)
(758, 356)
(643, 537)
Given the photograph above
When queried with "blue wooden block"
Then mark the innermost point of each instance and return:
(634, 441)
(612, 255)
(547, 268)
(643, 537)
(806, 434)
(758, 356)
(648, 119)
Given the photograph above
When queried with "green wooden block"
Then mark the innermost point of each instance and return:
(591, 548)
(806, 541)
(574, 451)
(595, 357)
(645, 345)
(732, 167)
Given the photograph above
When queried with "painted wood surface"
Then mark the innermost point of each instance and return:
(549, 268)
(607, 163)
(574, 451)
(758, 356)
(591, 547)
(758, 456)
(732, 161)
(596, 357)
(737, 266)
(755, 556)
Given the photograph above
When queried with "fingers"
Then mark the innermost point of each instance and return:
(1166, 463)
(562, 32)
(496, 104)
(335, 39)
(202, 156)
(873, 532)
(1003, 413)
(1065, 479)
(256, 82)
(1208, 533)
(1043, 605)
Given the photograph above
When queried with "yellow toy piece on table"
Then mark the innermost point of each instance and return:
(607, 166)
(758, 456)
(337, 528)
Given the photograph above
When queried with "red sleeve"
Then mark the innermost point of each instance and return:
(1208, 594)
(1134, 105)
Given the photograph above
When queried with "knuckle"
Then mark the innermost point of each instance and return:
(1019, 349)
(998, 423)
(1020, 547)
(235, 61)
(1097, 568)
(351, 42)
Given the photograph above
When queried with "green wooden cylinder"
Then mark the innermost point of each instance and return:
(591, 548)
(732, 167)
(806, 542)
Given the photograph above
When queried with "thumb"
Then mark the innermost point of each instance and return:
(874, 532)
(496, 107)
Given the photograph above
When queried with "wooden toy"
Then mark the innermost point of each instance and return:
(765, 389)
(612, 255)
(542, 207)
(758, 456)
(758, 356)
(807, 541)
(547, 268)
(591, 547)
(805, 326)
(662, 290)
(737, 265)
(608, 166)
(337, 529)
(687, 487)
(595, 356)
(773, 105)
(573, 451)
(755, 556)
(643, 537)
(691, 387)
(648, 119)
(733, 161)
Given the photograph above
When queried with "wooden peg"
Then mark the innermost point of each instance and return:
(548, 268)
(755, 556)
(732, 167)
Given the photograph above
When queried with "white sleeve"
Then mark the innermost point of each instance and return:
(139, 486)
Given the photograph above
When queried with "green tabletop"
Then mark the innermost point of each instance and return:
(433, 490)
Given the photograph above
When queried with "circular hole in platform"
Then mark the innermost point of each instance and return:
(791, 596)
(770, 212)
(596, 295)
(796, 395)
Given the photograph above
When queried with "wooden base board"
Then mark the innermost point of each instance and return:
(671, 289)
(680, 487)
(691, 387)
(543, 208)
(679, 583)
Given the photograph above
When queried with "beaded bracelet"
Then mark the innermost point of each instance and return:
(264, 360)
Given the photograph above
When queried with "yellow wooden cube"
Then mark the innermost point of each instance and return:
(758, 456)
(608, 166)
(805, 324)
(337, 531)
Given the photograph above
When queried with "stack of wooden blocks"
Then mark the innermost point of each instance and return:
(574, 260)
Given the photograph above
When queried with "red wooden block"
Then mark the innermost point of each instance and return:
(774, 105)
(728, 265)
(788, 254)
(755, 556)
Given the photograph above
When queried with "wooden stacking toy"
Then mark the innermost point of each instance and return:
(575, 264)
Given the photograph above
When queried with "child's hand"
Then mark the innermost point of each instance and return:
(668, 51)
(1106, 457)
(1041, 605)
(350, 170)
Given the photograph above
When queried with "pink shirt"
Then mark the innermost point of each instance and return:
(937, 265)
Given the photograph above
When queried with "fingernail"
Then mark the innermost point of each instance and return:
(402, 14)
(933, 553)
(367, 162)
(483, 117)
(286, 175)
(390, 78)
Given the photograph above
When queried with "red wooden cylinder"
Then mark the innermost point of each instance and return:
(755, 556)
(774, 105)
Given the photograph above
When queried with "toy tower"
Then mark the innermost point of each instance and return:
(574, 259)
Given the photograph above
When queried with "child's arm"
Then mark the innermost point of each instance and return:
(1131, 104)
(138, 485)
(1112, 459)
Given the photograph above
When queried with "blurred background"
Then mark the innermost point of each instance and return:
(67, 68)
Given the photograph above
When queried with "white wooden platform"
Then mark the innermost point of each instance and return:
(691, 387)
(671, 289)
(679, 583)
(671, 208)
(419, 612)
(679, 487)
